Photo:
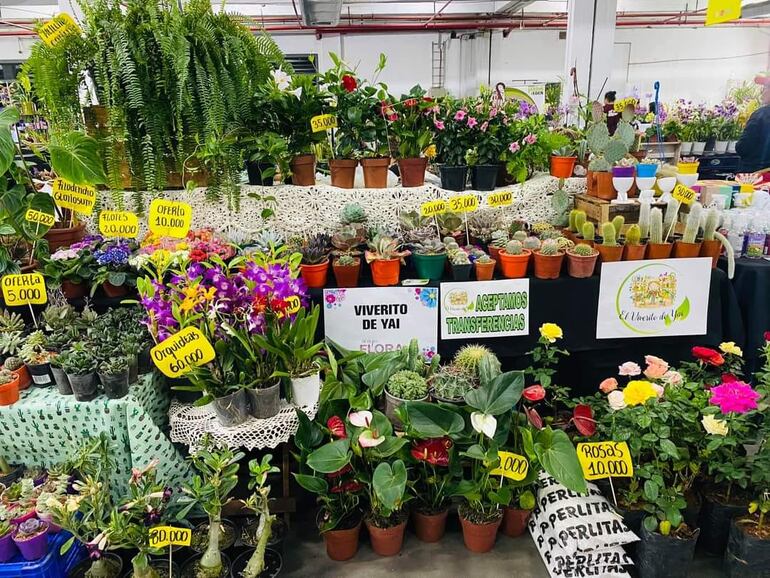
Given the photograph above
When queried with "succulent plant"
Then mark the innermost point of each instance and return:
(316, 250)
(588, 231)
(514, 248)
(409, 220)
(583, 250)
(484, 259)
(469, 357)
(406, 384)
(33, 351)
(710, 224)
(531, 243)
(550, 234)
(615, 151)
(499, 239)
(384, 247)
(692, 225)
(114, 366)
(608, 235)
(449, 223)
(482, 224)
(644, 219)
(624, 133)
(549, 248)
(30, 528)
(571, 220)
(541, 227)
(6, 376)
(452, 383)
(656, 226)
(11, 342)
(10, 322)
(520, 236)
(59, 315)
(430, 247)
(599, 165)
(597, 137)
(459, 257)
(13, 363)
(268, 240)
(633, 235)
(347, 238)
(419, 235)
(564, 243)
(617, 224)
(352, 213)
(346, 260)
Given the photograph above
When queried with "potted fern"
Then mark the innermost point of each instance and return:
(385, 260)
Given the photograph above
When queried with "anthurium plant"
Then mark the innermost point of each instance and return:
(412, 121)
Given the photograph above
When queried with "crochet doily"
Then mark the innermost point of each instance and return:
(303, 210)
(189, 424)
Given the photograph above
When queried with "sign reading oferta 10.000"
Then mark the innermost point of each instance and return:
(485, 309)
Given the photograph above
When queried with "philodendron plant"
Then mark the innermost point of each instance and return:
(259, 503)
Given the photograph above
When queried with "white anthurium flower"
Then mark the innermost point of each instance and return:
(360, 418)
(484, 423)
(367, 439)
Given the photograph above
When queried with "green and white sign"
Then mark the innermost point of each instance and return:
(659, 298)
(485, 309)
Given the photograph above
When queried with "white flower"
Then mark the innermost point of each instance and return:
(282, 80)
(484, 423)
(297, 92)
(367, 439)
(360, 418)
(616, 400)
(672, 377)
(714, 426)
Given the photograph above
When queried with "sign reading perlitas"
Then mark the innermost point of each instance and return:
(601, 460)
(24, 289)
(80, 198)
(118, 224)
(170, 218)
(485, 309)
(179, 353)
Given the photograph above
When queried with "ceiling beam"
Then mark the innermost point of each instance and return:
(514, 6)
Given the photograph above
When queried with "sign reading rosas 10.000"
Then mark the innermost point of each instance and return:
(605, 460)
(178, 354)
(24, 289)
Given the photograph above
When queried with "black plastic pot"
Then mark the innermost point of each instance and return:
(232, 409)
(278, 531)
(462, 272)
(62, 381)
(715, 521)
(116, 385)
(227, 539)
(83, 386)
(41, 374)
(453, 178)
(145, 363)
(484, 177)
(265, 402)
(133, 370)
(668, 556)
(9, 478)
(273, 563)
(255, 171)
(746, 556)
(82, 568)
(161, 567)
(190, 567)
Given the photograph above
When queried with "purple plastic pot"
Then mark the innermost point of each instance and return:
(622, 171)
(34, 548)
(7, 547)
(48, 517)
(28, 515)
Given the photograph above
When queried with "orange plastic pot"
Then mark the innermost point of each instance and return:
(429, 527)
(343, 172)
(514, 522)
(347, 276)
(479, 538)
(25, 379)
(9, 392)
(711, 249)
(386, 541)
(603, 186)
(484, 271)
(412, 171)
(303, 170)
(580, 266)
(342, 545)
(634, 252)
(659, 250)
(581, 241)
(376, 172)
(514, 266)
(608, 253)
(683, 250)
(385, 272)
(494, 252)
(548, 266)
(562, 167)
(315, 275)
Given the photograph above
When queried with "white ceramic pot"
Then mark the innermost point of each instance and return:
(720, 146)
(306, 390)
(731, 146)
(686, 149)
(698, 148)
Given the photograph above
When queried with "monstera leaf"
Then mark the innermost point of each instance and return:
(75, 157)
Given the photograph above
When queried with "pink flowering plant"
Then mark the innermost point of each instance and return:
(453, 125)
(412, 122)
(528, 146)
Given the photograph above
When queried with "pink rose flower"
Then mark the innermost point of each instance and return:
(460, 115)
(735, 397)
(472, 122)
(672, 377)
(483, 127)
(439, 124)
(608, 385)
(656, 367)
(659, 389)
(514, 147)
(629, 369)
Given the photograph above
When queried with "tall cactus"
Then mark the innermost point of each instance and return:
(588, 231)
(633, 235)
(710, 224)
(656, 226)
(692, 225)
(672, 210)
(618, 223)
(571, 221)
(580, 220)
(644, 219)
(608, 235)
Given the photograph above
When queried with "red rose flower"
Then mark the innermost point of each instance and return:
(534, 392)
(427, 99)
(435, 451)
(197, 255)
(349, 83)
(708, 356)
(584, 420)
(410, 102)
(534, 417)
(337, 427)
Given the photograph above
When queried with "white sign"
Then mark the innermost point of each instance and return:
(380, 319)
(485, 309)
(657, 298)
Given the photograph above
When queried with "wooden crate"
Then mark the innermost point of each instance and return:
(600, 211)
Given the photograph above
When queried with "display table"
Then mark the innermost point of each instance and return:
(44, 427)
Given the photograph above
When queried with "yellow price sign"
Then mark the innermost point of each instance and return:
(169, 536)
(683, 194)
(170, 218)
(293, 304)
(463, 203)
(24, 289)
(605, 460)
(719, 11)
(58, 27)
(118, 224)
(178, 354)
(501, 199)
(323, 122)
(433, 208)
(39, 218)
(512, 466)
(80, 198)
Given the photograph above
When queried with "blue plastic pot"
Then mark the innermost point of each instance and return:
(646, 170)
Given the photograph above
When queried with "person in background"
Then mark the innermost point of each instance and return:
(613, 118)
(754, 144)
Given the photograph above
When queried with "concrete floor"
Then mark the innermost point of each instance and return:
(305, 555)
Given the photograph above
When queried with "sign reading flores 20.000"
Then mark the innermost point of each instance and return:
(653, 298)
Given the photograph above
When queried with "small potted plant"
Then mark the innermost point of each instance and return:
(315, 260)
(9, 387)
(609, 249)
(634, 249)
(31, 538)
(113, 375)
(485, 268)
(70, 269)
(60, 376)
(453, 132)
(460, 262)
(16, 366)
(404, 385)
(79, 363)
(563, 162)
(713, 241)
(37, 358)
(657, 248)
(497, 242)
(450, 384)
(515, 516)
(411, 124)
(429, 258)
(347, 263)
(387, 517)
(548, 260)
(385, 260)
(264, 152)
(581, 261)
(431, 489)
(587, 234)
(112, 271)
(688, 245)
(514, 260)
(7, 545)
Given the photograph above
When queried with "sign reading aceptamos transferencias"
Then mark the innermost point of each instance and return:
(484, 309)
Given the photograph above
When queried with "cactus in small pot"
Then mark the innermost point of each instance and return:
(531, 243)
(617, 224)
(459, 258)
(656, 226)
(548, 260)
(520, 236)
(669, 220)
(582, 250)
(549, 248)
(514, 248)
(580, 220)
(588, 231)
(633, 235)
(609, 238)
(13, 363)
(692, 225)
(499, 239)
(609, 250)
(581, 261)
(644, 219)
(571, 221)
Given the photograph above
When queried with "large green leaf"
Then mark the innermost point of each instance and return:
(309, 434)
(312, 483)
(75, 157)
(7, 149)
(557, 455)
(390, 446)
(330, 458)
(428, 420)
(498, 396)
(9, 116)
(390, 483)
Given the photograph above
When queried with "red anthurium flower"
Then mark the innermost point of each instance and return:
(534, 417)
(729, 378)
(584, 420)
(534, 392)
(767, 335)
(435, 451)
(337, 427)
(351, 486)
(708, 356)
(334, 475)
(349, 83)
(410, 102)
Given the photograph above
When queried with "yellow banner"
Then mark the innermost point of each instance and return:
(24, 289)
(80, 198)
(719, 11)
(501, 199)
(323, 122)
(181, 352)
(170, 218)
(463, 203)
(39, 218)
(118, 224)
(605, 460)
(512, 466)
(433, 208)
(58, 27)
(169, 536)
(683, 194)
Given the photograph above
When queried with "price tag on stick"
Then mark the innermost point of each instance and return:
(118, 224)
(600, 460)
(181, 352)
(683, 194)
(463, 203)
(170, 218)
(433, 208)
(512, 466)
(24, 289)
(161, 536)
(323, 122)
(39, 218)
(501, 199)
(61, 25)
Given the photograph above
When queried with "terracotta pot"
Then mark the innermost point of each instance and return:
(114, 290)
(567, 234)
(514, 266)
(342, 545)
(315, 275)
(25, 379)
(634, 252)
(514, 522)
(347, 276)
(602, 185)
(683, 250)
(711, 249)
(376, 172)
(562, 167)
(581, 241)
(494, 252)
(385, 272)
(430, 527)
(9, 392)
(73, 290)
(343, 172)
(386, 541)
(484, 271)
(412, 171)
(303, 170)
(480, 538)
(608, 253)
(581, 267)
(63, 238)
(548, 266)
(659, 250)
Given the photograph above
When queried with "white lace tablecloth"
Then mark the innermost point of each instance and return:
(189, 424)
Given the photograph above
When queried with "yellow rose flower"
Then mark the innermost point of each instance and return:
(730, 347)
(430, 152)
(714, 426)
(638, 391)
(551, 332)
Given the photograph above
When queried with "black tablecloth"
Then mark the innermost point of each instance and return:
(572, 304)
